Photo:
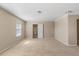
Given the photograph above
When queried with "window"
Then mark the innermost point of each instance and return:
(18, 30)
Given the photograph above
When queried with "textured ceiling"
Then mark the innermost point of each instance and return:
(40, 11)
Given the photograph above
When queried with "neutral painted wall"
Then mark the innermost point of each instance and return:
(66, 29)
(48, 29)
(61, 29)
(73, 29)
(7, 30)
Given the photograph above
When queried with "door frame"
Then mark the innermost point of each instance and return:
(41, 32)
(33, 31)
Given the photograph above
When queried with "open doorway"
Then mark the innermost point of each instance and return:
(35, 30)
(38, 31)
(78, 32)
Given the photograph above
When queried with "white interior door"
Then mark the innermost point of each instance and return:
(40, 31)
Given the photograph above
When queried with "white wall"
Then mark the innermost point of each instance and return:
(61, 29)
(7, 30)
(66, 29)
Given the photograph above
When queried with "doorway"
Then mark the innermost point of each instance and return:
(38, 30)
(35, 31)
(78, 32)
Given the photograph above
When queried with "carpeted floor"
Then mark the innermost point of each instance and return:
(41, 47)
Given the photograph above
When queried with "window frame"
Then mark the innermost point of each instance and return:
(18, 29)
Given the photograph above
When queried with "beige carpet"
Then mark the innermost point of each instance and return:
(41, 47)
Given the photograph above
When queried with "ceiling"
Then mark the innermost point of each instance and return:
(40, 11)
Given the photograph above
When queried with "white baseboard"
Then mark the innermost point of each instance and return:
(8, 47)
(62, 42)
(67, 43)
(72, 45)
(4, 50)
(42, 38)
